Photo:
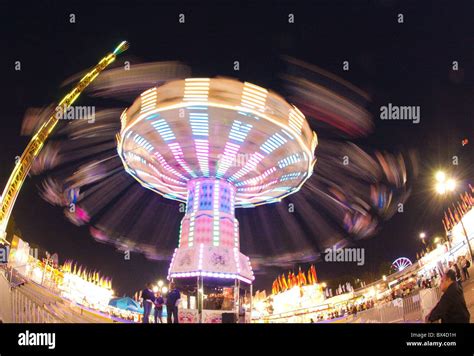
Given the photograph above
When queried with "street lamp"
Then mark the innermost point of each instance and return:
(440, 188)
(444, 186)
(422, 237)
(450, 185)
(440, 176)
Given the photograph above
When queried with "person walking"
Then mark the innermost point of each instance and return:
(172, 302)
(451, 308)
(159, 301)
(465, 268)
(457, 271)
(148, 298)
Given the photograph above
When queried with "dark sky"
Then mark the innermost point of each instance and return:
(405, 64)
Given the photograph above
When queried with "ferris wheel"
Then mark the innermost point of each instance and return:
(400, 264)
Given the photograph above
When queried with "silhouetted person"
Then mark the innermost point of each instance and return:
(458, 272)
(148, 299)
(172, 304)
(465, 268)
(159, 301)
(451, 308)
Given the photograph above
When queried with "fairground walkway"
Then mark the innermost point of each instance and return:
(23, 301)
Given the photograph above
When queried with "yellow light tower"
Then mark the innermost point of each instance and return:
(22, 167)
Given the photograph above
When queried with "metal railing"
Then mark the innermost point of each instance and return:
(410, 309)
(19, 305)
(23, 301)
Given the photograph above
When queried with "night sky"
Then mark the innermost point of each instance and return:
(405, 64)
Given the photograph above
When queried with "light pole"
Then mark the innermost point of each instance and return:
(160, 287)
(422, 237)
(444, 186)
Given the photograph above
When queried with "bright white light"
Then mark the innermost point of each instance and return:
(440, 176)
(155, 289)
(422, 235)
(440, 188)
(164, 290)
(160, 284)
(451, 184)
(38, 273)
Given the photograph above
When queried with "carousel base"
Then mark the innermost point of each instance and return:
(218, 262)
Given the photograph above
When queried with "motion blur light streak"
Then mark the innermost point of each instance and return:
(338, 204)
(44, 130)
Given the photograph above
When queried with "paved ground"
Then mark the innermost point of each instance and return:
(468, 287)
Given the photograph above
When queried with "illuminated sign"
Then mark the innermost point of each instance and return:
(4, 251)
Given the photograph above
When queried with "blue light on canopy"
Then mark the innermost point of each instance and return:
(163, 129)
(143, 142)
(275, 141)
(199, 124)
(290, 176)
(154, 116)
(294, 158)
(239, 131)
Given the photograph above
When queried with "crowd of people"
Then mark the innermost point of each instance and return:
(345, 311)
(461, 268)
(433, 278)
(152, 300)
(450, 308)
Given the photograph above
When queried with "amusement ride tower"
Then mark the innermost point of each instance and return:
(215, 144)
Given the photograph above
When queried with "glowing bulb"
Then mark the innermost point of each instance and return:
(440, 188)
(451, 184)
(422, 235)
(440, 176)
(155, 289)
(164, 290)
(160, 284)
